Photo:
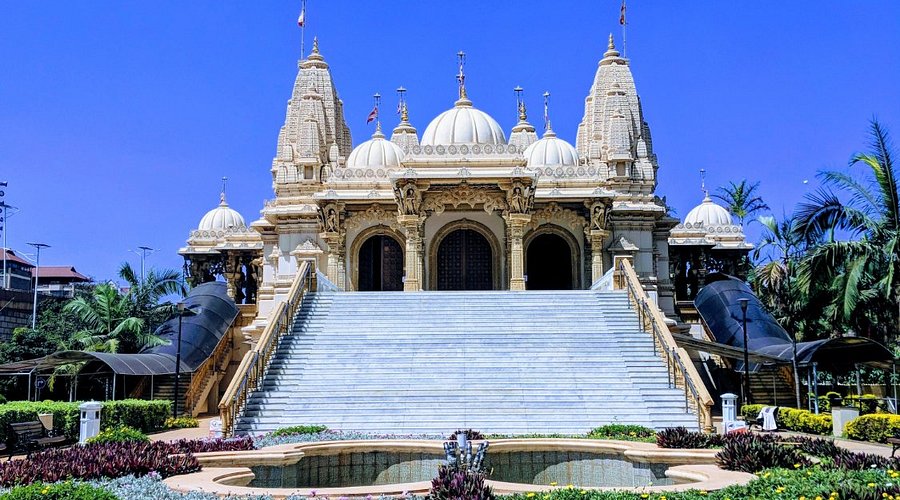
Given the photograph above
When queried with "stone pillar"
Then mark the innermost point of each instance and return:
(412, 226)
(597, 237)
(515, 227)
(333, 240)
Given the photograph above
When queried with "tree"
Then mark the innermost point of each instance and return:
(145, 295)
(741, 199)
(855, 239)
(108, 323)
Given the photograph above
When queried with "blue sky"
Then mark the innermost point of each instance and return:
(118, 118)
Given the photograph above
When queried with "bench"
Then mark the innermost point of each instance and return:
(895, 444)
(30, 436)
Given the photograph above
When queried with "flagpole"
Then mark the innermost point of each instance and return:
(302, 29)
(624, 22)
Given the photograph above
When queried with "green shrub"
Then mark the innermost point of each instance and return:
(749, 412)
(181, 423)
(877, 427)
(58, 491)
(866, 404)
(299, 429)
(145, 416)
(139, 414)
(119, 435)
(793, 419)
(623, 432)
(65, 416)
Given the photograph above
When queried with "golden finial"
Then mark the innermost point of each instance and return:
(612, 45)
(520, 104)
(401, 105)
(316, 44)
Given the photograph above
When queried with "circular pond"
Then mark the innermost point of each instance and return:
(391, 467)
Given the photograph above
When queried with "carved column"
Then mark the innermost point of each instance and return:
(232, 274)
(331, 221)
(515, 228)
(412, 226)
(597, 237)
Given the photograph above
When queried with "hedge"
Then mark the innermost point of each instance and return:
(146, 416)
(793, 419)
(876, 427)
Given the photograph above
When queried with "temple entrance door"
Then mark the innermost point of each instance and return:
(380, 265)
(548, 263)
(465, 262)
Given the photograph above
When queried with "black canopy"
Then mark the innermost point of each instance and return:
(211, 313)
(718, 305)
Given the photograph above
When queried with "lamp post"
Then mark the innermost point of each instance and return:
(180, 307)
(143, 251)
(37, 272)
(746, 378)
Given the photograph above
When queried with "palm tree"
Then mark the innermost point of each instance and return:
(856, 238)
(108, 323)
(741, 199)
(145, 294)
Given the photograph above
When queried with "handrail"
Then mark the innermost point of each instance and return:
(208, 368)
(252, 369)
(651, 320)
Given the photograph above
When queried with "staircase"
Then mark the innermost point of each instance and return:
(164, 388)
(499, 362)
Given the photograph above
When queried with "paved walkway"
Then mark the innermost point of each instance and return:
(190, 433)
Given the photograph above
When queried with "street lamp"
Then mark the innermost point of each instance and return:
(746, 378)
(144, 251)
(37, 272)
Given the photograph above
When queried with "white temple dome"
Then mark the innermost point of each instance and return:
(463, 124)
(221, 218)
(550, 150)
(709, 214)
(376, 152)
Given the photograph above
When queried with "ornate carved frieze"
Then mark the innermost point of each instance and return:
(372, 216)
(558, 215)
(464, 194)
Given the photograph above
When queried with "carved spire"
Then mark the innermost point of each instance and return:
(523, 133)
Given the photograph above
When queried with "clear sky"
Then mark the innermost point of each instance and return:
(118, 118)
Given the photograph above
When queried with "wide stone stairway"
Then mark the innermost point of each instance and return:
(498, 362)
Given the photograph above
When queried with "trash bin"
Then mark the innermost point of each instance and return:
(729, 413)
(90, 420)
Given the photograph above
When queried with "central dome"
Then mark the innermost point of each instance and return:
(463, 124)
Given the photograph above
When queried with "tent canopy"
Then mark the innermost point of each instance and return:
(212, 312)
(718, 305)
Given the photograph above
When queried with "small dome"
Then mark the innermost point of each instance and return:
(551, 151)
(463, 124)
(221, 218)
(376, 152)
(709, 214)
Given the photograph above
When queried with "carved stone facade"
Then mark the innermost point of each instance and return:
(466, 207)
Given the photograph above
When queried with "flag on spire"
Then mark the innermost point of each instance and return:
(372, 115)
(301, 21)
(622, 14)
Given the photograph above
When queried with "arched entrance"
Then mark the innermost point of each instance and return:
(465, 261)
(380, 265)
(548, 263)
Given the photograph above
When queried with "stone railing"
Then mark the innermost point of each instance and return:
(252, 369)
(681, 370)
(208, 369)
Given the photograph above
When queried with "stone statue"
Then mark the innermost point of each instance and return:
(521, 198)
(331, 220)
(598, 216)
(408, 196)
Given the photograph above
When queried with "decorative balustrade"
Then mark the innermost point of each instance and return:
(252, 369)
(209, 368)
(681, 370)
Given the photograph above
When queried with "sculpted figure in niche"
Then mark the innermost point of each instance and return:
(330, 219)
(409, 199)
(598, 216)
(520, 199)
